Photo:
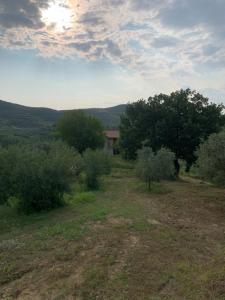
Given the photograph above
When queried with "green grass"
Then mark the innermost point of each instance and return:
(140, 225)
(121, 164)
(80, 197)
(156, 188)
(122, 242)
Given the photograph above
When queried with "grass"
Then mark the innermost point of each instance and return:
(122, 242)
(156, 188)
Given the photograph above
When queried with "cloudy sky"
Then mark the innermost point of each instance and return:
(99, 53)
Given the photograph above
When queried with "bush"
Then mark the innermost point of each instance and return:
(155, 167)
(35, 179)
(96, 164)
(211, 159)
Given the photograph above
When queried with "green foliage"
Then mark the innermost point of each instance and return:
(177, 121)
(155, 167)
(81, 131)
(35, 179)
(157, 188)
(211, 159)
(8, 139)
(165, 164)
(146, 166)
(82, 197)
(133, 129)
(19, 122)
(96, 164)
(119, 163)
(13, 202)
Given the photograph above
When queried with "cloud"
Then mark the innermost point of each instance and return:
(96, 49)
(210, 49)
(180, 40)
(145, 5)
(190, 13)
(134, 26)
(91, 19)
(165, 41)
(21, 13)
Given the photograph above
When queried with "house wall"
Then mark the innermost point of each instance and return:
(109, 146)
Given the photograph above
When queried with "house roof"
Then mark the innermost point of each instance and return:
(112, 134)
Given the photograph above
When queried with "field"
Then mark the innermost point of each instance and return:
(122, 242)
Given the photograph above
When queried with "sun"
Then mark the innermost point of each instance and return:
(58, 15)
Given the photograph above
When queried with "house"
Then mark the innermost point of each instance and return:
(111, 137)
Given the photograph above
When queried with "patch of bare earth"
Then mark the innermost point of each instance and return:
(177, 253)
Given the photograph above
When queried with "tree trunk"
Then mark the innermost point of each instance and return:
(177, 166)
(149, 185)
(188, 167)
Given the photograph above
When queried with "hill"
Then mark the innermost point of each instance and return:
(22, 121)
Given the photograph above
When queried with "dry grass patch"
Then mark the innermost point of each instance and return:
(122, 243)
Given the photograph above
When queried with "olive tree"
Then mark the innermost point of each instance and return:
(211, 159)
(34, 179)
(96, 163)
(155, 166)
(165, 164)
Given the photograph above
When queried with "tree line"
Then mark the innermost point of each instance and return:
(35, 176)
(179, 122)
(157, 133)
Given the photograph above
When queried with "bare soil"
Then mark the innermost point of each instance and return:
(128, 244)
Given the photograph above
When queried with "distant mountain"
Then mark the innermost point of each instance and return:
(22, 121)
(110, 117)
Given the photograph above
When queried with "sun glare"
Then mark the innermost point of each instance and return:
(58, 15)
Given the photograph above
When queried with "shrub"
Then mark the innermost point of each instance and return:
(96, 164)
(211, 159)
(155, 167)
(36, 177)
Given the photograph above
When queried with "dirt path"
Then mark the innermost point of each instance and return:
(128, 245)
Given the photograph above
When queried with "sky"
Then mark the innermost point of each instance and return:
(66, 54)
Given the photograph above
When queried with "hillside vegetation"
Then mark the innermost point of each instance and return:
(22, 121)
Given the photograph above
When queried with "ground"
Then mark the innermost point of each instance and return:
(122, 242)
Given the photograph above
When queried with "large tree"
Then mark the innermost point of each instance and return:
(178, 121)
(81, 131)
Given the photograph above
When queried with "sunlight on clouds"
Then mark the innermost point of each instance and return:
(158, 40)
(58, 15)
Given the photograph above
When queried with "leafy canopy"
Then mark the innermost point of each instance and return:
(36, 177)
(80, 131)
(96, 164)
(177, 121)
(155, 166)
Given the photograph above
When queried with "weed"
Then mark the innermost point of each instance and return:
(82, 197)
(140, 225)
